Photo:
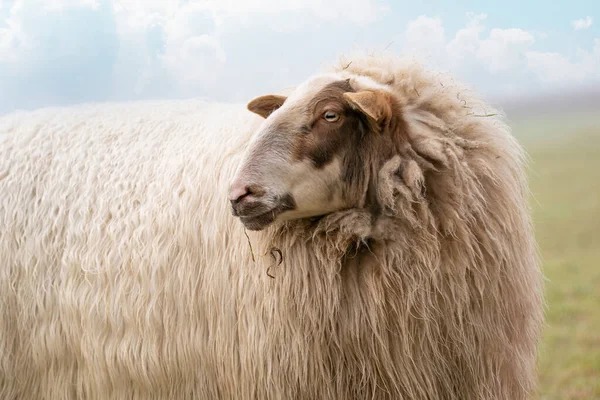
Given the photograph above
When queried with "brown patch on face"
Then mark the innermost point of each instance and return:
(369, 131)
(322, 138)
(359, 114)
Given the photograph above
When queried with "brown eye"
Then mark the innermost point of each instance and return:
(331, 116)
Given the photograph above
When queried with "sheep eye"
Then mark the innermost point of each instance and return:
(331, 116)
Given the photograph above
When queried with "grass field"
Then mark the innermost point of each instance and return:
(565, 182)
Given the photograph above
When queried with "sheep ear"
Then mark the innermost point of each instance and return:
(265, 105)
(375, 104)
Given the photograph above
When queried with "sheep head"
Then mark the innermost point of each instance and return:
(318, 151)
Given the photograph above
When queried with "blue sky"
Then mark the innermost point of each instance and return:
(60, 52)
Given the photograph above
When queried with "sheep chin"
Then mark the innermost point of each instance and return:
(259, 222)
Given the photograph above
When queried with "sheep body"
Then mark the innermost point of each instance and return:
(123, 274)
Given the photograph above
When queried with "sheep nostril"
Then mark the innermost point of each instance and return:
(237, 194)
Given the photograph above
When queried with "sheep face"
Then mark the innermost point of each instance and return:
(313, 153)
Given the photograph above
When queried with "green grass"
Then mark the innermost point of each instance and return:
(565, 182)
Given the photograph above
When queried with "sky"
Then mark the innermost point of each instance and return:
(63, 52)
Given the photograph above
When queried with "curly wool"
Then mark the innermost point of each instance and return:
(123, 274)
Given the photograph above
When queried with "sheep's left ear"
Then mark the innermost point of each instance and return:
(376, 104)
(265, 105)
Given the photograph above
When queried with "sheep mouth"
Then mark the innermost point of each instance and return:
(261, 221)
(257, 219)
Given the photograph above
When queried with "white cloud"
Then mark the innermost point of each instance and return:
(466, 42)
(555, 68)
(500, 51)
(193, 52)
(582, 23)
(425, 37)
(353, 11)
(350, 11)
(188, 49)
(503, 49)
(75, 50)
(427, 31)
(17, 43)
(190, 32)
(195, 59)
(13, 40)
(503, 61)
(57, 5)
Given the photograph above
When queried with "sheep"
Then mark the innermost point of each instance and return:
(365, 235)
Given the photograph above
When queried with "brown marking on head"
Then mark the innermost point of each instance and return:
(331, 125)
(367, 131)
(357, 113)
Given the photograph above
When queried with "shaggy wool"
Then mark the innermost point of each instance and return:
(123, 274)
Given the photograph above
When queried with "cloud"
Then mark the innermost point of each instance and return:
(353, 11)
(129, 49)
(582, 23)
(425, 35)
(501, 61)
(58, 5)
(43, 62)
(503, 49)
(55, 52)
(553, 67)
(500, 51)
(169, 42)
(466, 41)
(358, 12)
(185, 42)
(557, 69)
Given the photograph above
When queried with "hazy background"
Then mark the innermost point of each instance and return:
(55, 52)
(538, 60)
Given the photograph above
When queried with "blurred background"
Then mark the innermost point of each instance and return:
(537, 60)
